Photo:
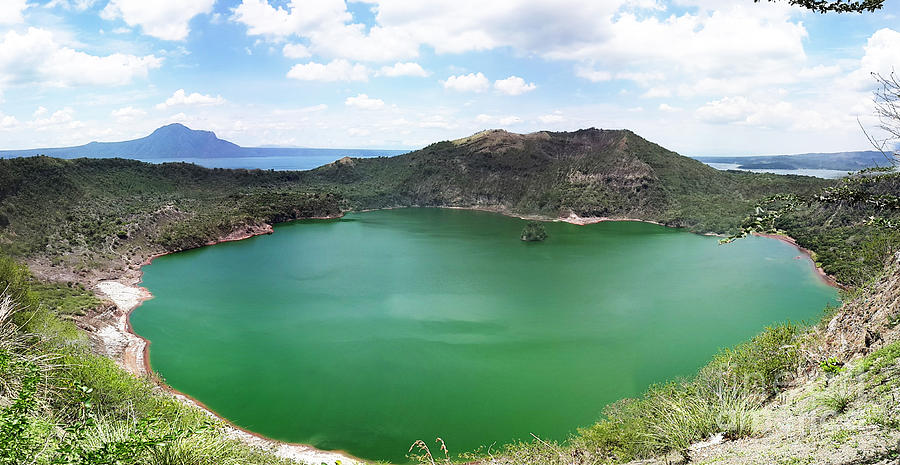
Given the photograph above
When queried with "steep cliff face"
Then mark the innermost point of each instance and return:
(866, 323)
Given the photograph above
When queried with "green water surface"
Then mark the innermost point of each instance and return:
(366, 333)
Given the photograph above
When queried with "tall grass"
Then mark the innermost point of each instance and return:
(62, 405)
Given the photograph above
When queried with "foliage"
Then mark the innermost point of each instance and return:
(534, 232)
(764, 365)
(851, 227)
(836, 400)
(831, 366)
(71, 299)
(94, 213)
(887, 108)
(838, 6)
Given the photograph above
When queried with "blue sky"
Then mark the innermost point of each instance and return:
(701, 77)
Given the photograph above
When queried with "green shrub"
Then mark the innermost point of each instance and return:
(764, 365)
(837, 400)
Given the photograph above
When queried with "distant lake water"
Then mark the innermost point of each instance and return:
(827, 174)
(282, 159)
(368, 332)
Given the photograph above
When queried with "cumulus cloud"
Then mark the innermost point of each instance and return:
(364, 102)
(77, 5)
(180, 97)
(500, 120)
(472, 82)
(328, 26)
(295, 51)
(336, 70)
(11, 11)
(163, 19)
(36, 57)
(510, 120)
(8, 122)
(882, 55)
(555, 117)
(771, 113)
(128, 113)
(403, 69)
(513, 85)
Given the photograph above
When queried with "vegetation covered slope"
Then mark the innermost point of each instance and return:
(589, 173)
(88, 214)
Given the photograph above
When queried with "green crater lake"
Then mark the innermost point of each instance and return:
(366, 333)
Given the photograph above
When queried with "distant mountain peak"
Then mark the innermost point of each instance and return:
(173, 140)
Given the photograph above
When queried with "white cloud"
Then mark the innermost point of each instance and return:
(8, 122)
(593, 75)
(163, 19)
(336, 70)
(328, 26)
(436, 122)
(509, 120)
(128, 113)
(513, 85)
(668, 108)
(772, 114)
(35, 57)
(472, 82)
(657, 92)
(403, 69)
(882, 55)
(295, 51)
(364, 102)
(59, 118)
(555, 117)
(11, 11)
(77, 5)
(502, 120)
(180, 97)
(726, 110)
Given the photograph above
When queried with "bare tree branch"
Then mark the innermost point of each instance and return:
(837, 6)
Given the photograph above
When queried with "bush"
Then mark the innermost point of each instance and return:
(764, 365)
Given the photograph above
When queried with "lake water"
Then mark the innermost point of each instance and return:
(366, 333)
(827, 174)
(279, 159)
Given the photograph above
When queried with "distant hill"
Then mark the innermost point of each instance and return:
(173, 140)
(176, 141)
(589, 173)
(844, 161)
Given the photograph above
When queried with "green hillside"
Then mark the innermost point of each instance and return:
(591, 173)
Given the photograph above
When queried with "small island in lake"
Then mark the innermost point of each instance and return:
(534, 232)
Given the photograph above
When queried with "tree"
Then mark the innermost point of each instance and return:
(887, 108)
(534, 232)
(837, 6)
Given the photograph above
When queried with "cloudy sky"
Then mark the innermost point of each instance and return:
(702, 77)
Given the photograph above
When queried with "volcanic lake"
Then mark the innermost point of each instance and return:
(366, 333)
